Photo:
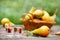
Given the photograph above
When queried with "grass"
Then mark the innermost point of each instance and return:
(13, 9)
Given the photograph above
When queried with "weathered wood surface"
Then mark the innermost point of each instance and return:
(5, 36)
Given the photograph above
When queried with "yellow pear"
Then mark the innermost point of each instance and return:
(46, 16)
(42, 31)
(28, 17)
(32, 10)
(38, 13)
(53, 17)
(5, 20)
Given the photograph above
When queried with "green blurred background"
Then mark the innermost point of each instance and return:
(13, 9)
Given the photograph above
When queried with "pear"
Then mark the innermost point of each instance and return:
(53, 17)
(28, 17)
(42, 31)
(46, 16)
(32, 10)
(5, 20)
(38, 13)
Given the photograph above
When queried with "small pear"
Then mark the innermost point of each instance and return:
(5, 20)
(46, 16)
(32, 10)
(53, 17)
(28, 17)
(38, 13)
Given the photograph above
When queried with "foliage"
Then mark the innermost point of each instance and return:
(13, 9)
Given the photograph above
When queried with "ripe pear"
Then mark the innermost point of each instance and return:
(42, 31)
(38, 13)
(5, 20)
(32, 10)
(28, 17)
(46, 16)
(53, 17)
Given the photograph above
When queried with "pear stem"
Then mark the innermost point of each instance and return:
(56, 11)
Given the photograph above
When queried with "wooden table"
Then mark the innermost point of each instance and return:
(51, 36)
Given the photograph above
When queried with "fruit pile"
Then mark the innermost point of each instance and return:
(40, 14)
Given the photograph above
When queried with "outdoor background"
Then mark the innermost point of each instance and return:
(13, 9)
